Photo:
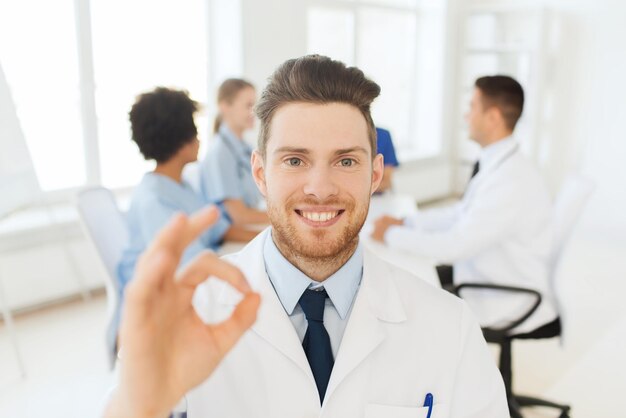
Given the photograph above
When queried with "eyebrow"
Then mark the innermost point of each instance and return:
(293, 149)
(351, 150)
(307, 151)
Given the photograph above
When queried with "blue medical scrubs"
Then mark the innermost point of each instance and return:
(385, 147)
(226, 172)
(155, 200)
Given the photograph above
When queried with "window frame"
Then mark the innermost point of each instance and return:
(87, 102)
(416, 9)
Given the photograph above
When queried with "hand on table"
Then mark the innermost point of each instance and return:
(382, 224)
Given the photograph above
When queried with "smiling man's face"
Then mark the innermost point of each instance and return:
(318, 176)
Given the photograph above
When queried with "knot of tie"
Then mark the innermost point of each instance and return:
(312, 303)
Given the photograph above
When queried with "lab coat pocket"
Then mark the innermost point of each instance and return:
(387, 411)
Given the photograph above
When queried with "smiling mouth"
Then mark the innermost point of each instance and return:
(319, 217)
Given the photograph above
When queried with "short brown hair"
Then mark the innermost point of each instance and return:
(227, 91)
(506, 94)
(316, 79)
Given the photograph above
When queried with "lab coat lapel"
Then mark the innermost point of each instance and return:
(272, 324)
(377, 303)
(487, 168)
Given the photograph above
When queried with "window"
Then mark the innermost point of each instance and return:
(506, 42)
(74, 75)
(169, 50)
(42, 72)
(399, 44)
(331, 32)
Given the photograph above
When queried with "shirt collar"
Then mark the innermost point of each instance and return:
(492, 153)
(289, 282)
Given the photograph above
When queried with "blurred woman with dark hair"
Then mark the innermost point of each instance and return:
(163, 127)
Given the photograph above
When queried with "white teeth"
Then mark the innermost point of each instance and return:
(319, 216)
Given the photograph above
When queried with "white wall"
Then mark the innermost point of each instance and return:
(588, 126)
(51, 260)
(35, 267)
(582, 68)
(593, 140)
(274, 31)
(584, 90)
(586, 71)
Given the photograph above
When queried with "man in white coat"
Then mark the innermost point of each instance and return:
(500, 232)
(336, 332)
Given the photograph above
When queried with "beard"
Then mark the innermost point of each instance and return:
(317, 244)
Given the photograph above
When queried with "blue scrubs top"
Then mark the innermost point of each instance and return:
(155, 200)
(385, 147)
(225, 171)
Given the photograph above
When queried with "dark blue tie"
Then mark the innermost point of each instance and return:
(316, 341)
(476, 169)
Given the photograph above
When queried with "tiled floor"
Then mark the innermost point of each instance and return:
(67, 374)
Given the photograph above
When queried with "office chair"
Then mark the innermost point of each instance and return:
(569, 204)
(106, 229)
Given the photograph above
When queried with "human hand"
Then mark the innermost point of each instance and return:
(167, 349)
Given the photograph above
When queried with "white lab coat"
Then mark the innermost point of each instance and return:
(500, 233)
(404, 339)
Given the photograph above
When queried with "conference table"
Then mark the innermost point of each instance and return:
(397, 205)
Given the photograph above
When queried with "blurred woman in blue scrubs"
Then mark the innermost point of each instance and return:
(163, 127)
(225, 171)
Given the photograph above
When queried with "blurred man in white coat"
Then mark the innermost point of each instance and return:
(500, 232)
(339, 332)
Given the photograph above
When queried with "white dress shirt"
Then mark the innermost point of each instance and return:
(289, 284)
(500, 233)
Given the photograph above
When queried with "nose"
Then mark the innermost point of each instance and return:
(320, 183)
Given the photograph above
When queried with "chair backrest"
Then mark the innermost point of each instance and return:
(105, 226)
(568, 206)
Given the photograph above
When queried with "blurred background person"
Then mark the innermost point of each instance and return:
(68, 167)
(500, 232)
(163, 127)
(385, 147)
(225, 171)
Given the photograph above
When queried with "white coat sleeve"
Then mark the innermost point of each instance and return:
(489, 217)
(434, 219)
(478, 389)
